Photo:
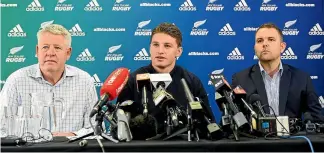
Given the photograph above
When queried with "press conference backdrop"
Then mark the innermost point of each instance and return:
(218, 35)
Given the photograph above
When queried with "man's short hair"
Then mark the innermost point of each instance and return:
(56, 29)
(169, 29)
(271, 25)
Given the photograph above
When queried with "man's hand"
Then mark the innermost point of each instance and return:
(67, 134)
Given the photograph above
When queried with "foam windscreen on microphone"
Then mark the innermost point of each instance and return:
(143, 127)
(253, 98)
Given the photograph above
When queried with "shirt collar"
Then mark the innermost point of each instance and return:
(264, 72)
(36, 73)
(152, 70)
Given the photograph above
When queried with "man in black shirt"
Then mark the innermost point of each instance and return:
(165, 48)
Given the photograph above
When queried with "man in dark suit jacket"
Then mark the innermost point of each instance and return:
(288, 90)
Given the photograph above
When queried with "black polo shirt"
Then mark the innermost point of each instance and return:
(175, 89)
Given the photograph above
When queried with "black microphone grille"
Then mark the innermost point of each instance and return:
(254, 97)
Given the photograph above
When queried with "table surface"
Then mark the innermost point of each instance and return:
(243, 145)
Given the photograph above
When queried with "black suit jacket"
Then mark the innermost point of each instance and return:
(296, 91)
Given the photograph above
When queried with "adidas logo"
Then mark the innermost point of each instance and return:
(241, 6)
(235, 55)
(227, 31)
(214, 7)
(17, 31)
(289, 31)
(15, 58)
(35, 6)
(255, 57)
(314, 55)
(96, 80)
(316, 30)
(187, 6)
(111, 56)
(85, 56)
(63, 7)
(142, 55)
(120, 7)
(200, 32)
(143, 32)
(268, 7)
(76, 31)
(93, 6)
(288, 54)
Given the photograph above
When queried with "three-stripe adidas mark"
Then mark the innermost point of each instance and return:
(76, 31)
(142, 55)
(187, 3)
(316, 30)
(288, 54)
(96, 80)
(93, 5)
(17, 31)
(35, 6)
(242, 6)
(227, 30)
(187, 6)
(85, 56)
(235, 55)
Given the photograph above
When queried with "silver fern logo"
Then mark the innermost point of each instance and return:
(288, 30)
(119, 6)
(313, 54)
(112, 56)
(13, 57)
(265, 6)
(198, 31)
(140, 31)
(211, 6)
(46, 23)
(61, 6)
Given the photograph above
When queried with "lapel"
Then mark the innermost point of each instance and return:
(284, 89)
(259, 84)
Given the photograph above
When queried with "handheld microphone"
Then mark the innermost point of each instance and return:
(143, 85)
(166, 102)
(255, 100)
(200, 111)
(223, 88)
(240, 93)
(123, 128)
(111, 88)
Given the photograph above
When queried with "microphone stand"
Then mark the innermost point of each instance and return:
(97, 130)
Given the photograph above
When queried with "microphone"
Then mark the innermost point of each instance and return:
(167, 103)
(110, 114)
(143, 84)
(143, 127)
(239, 93)
(123, 128)
(255, 100)
(310, 127)
(111, 88)
(200, 112)
(223, 88)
